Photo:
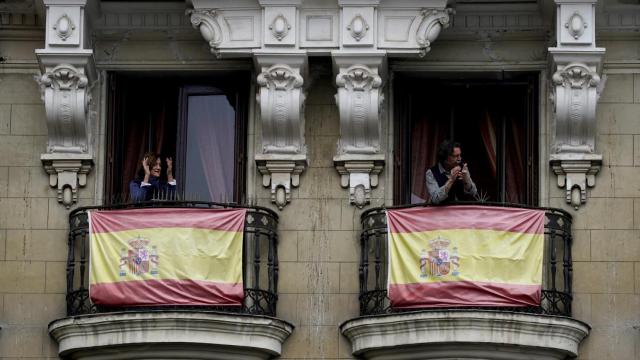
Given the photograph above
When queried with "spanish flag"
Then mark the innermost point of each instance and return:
(465, 256)
(166, 256)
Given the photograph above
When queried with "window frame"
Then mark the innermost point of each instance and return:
(405, 88)
(232, 83)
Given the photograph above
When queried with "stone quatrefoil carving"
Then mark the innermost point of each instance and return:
(280, 27)
(64, 27)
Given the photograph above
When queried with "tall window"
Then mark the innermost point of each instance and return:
(493, 119)
(200, 122)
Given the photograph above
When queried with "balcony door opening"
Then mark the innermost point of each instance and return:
(493, 117)
(197, 120)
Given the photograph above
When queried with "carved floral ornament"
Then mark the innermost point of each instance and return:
(359, 78)
(576, 25)
(431, 24)
(358, 27)
(207, 22)
(280, 77)
(576, 76)
(64, 27)
(280, 27)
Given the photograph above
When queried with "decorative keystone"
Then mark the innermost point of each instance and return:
(359, 176)
(576, 173)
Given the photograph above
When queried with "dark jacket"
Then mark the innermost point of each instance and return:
(158, 188)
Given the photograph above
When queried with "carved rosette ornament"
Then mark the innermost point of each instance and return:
(209, 25)
(358, 27)
(575, 91)
(280, 27)
(283, 157)
(64, 27)
(359, 159)
(432, 23)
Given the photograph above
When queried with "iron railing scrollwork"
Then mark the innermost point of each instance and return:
(557, 268)
(260, 260)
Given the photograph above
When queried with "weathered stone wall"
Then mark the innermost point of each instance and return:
(319, 231)
(33, 226)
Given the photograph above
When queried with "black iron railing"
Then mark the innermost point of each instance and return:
(557, 268)
(260, 260)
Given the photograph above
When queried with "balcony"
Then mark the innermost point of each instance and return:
(250, 331)
(479, 332)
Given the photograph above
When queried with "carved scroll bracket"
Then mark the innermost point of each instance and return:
(359, 158)
(210, 27)
(67, 78)
(283, 155)
(576, 87)
(432, 23)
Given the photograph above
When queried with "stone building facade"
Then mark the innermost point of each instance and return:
(332, 66)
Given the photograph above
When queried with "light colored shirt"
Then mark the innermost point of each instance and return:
(438, 193)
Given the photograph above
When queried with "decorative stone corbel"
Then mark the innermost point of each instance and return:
(359, 98)
(576, 86)
(68, 74)
(206, 20)
(283, 155)
(432, 23)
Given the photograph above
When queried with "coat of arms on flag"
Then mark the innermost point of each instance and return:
(438, 260)
(140, 259)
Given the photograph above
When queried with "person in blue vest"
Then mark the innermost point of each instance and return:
(449, 179)
(148, 183)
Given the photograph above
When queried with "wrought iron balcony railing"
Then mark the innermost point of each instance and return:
(260, 260)
(557, 267)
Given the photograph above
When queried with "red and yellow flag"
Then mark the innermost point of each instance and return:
(465, 256)
(166, 256)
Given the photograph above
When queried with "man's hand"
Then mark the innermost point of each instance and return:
(466, 178)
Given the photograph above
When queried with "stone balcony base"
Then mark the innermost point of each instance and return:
(169, 335)
(464, 334)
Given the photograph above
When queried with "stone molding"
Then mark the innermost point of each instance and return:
(169, 334)
(400, 27)
(283, 154)
(359, 158)
(465, 334)
(68, 75)
(576, 87)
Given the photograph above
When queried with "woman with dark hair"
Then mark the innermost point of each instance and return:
(148, 181)
(449, 179)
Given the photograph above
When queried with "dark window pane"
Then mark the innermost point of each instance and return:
(210, 148)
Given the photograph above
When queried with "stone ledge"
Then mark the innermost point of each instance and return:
(169, 335)
(467, 334)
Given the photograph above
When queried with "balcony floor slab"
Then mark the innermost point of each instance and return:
(464, 334)
(169, 335)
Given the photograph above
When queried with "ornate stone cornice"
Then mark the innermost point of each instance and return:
(283, 154)
(359, 158)
(575, 91)
(68, 74)
(491, 335)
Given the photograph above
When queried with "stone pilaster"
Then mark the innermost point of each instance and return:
(576, 87)
(68, 73)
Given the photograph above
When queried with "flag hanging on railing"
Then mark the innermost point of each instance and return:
(166, 256)
(465, 256)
